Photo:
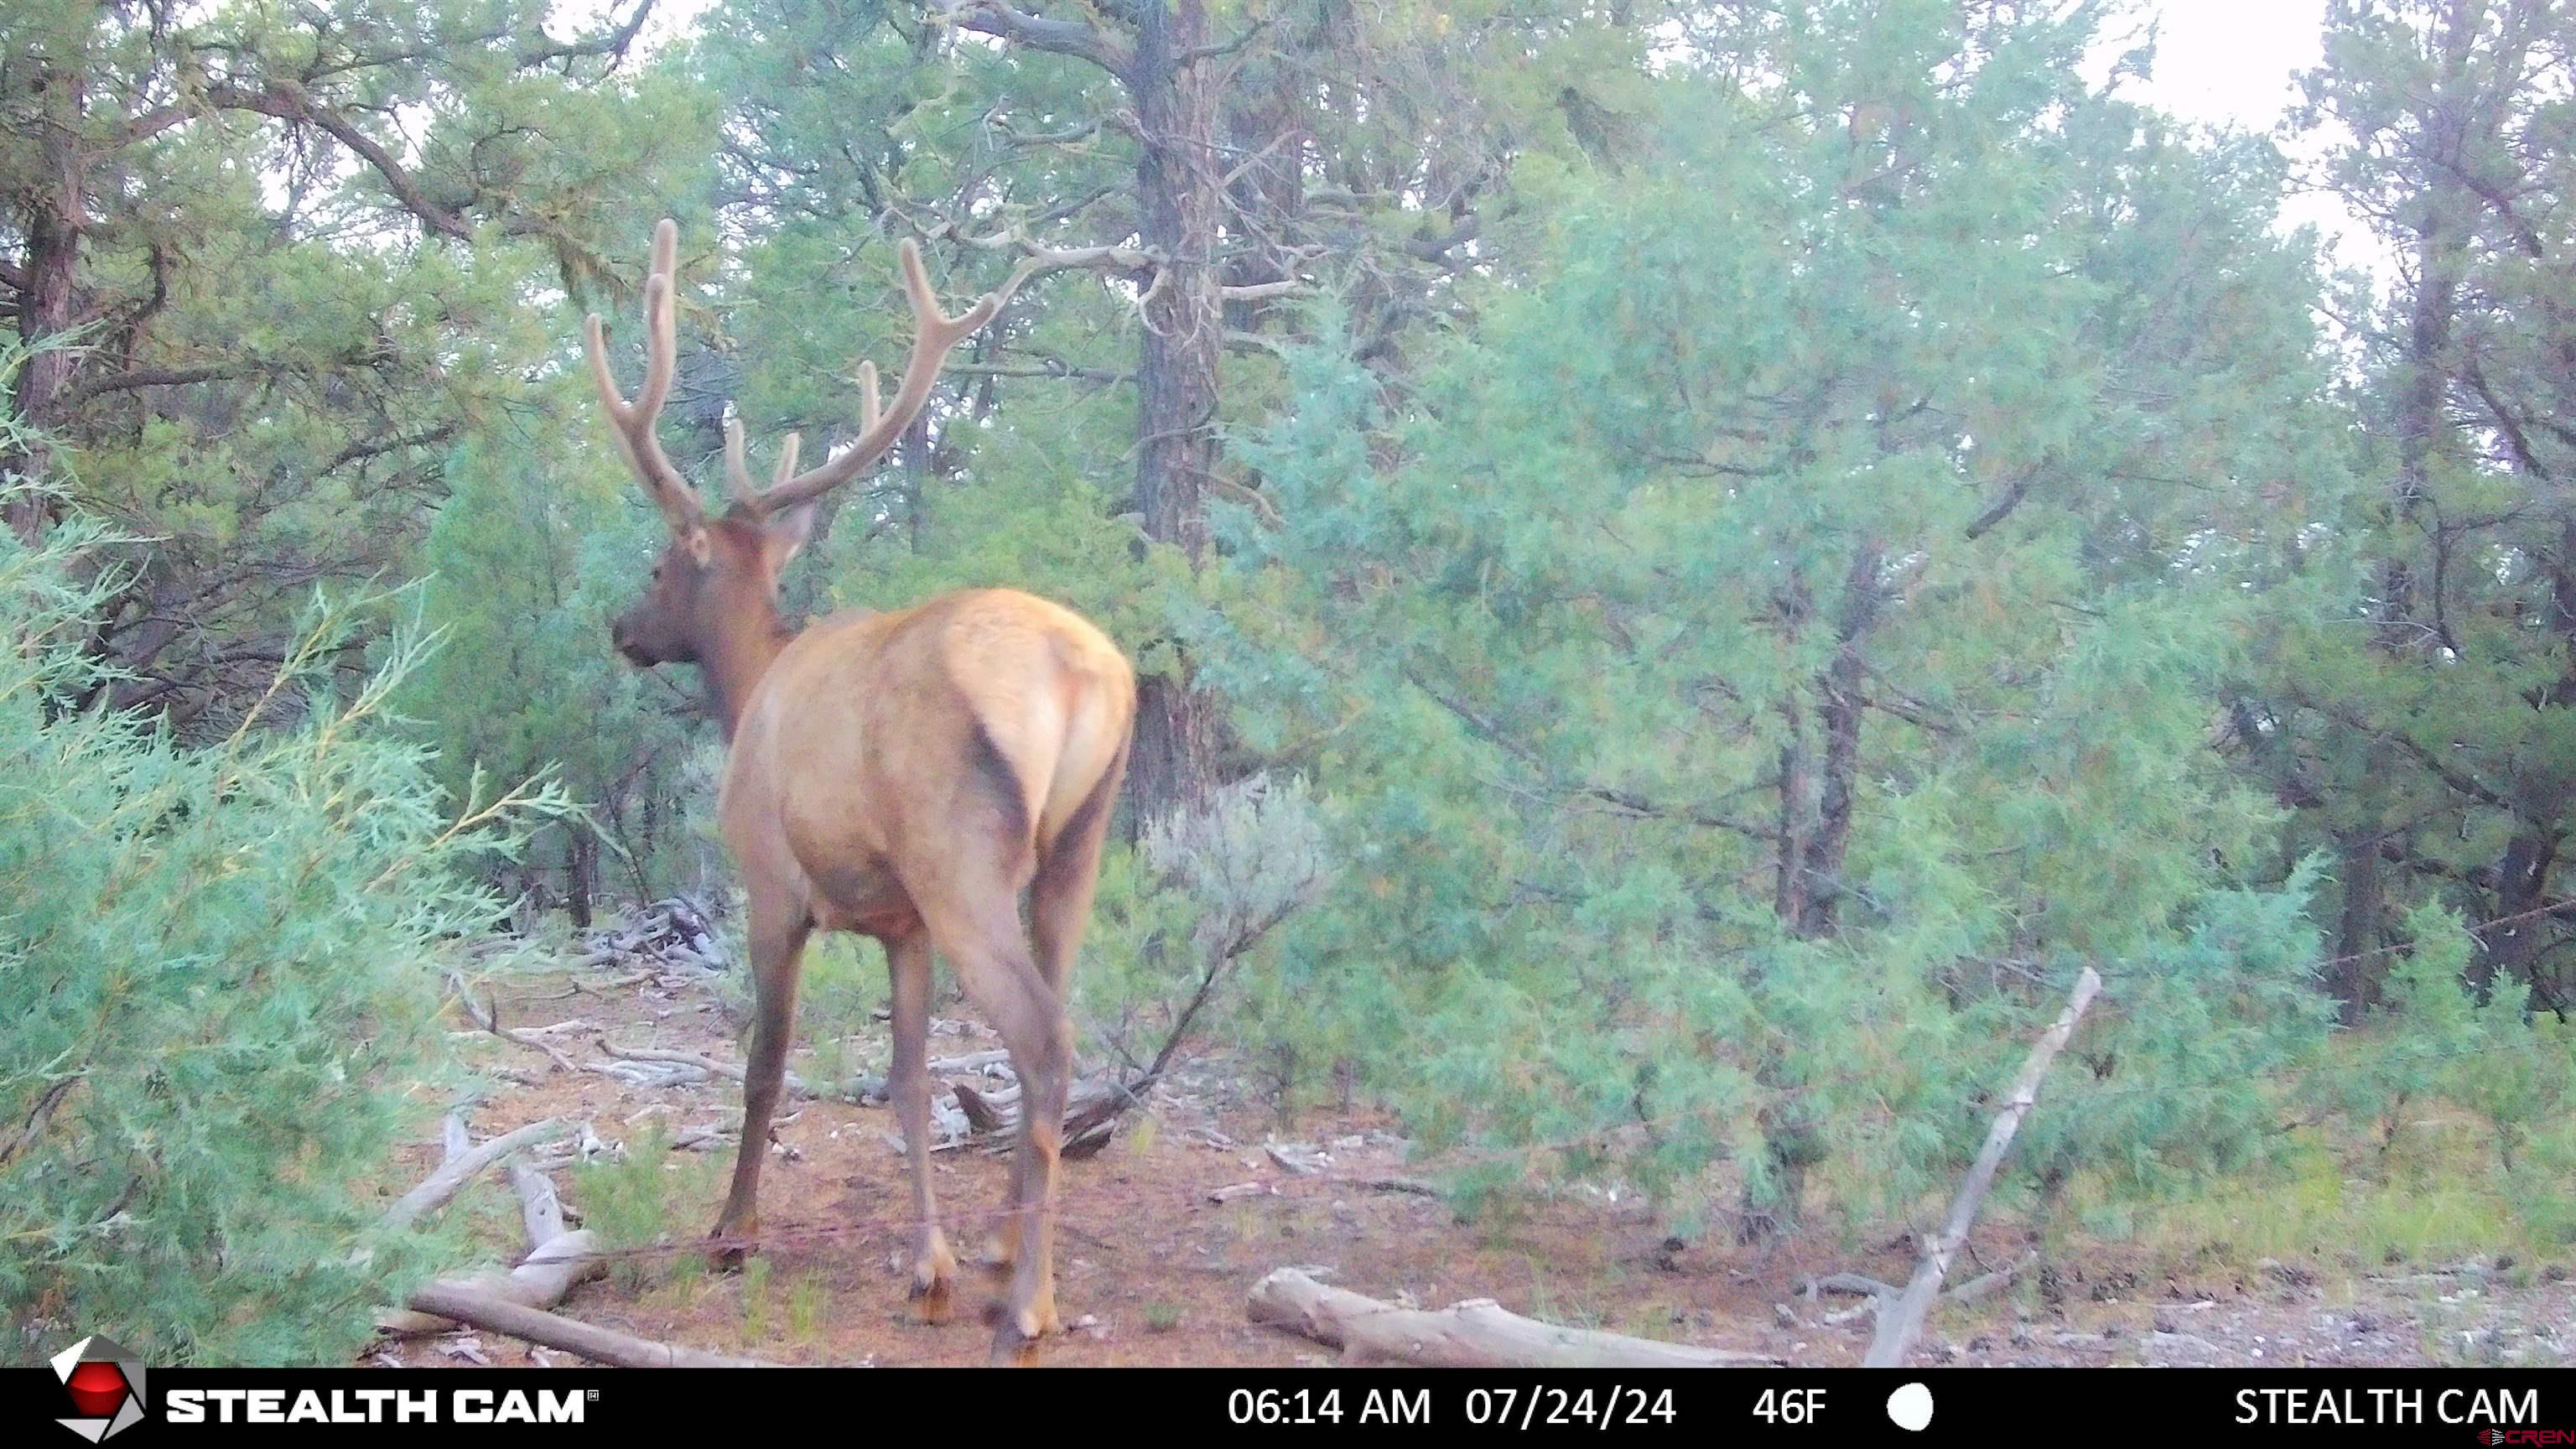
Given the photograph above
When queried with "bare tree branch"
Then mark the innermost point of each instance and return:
(999, 19)
(157, 377)
(288, 101)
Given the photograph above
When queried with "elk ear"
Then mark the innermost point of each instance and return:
(786, 531)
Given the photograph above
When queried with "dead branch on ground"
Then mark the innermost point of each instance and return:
(1898, 1327)
(1478, 1333)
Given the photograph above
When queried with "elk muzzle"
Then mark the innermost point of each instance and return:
(632, 638)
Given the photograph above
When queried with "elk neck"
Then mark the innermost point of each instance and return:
(743, 653)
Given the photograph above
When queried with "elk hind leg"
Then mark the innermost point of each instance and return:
(1059, 914)
(979, 931)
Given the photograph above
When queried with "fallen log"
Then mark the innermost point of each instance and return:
(557, 1259)
(701, 1139)
(540, 1211)
(970, 1062)
(1852, 1283)
(1478, 1333)
(460, 1169)
(1292, 1158)
(1417, 1187)
(488, 1017)
(1979, 1287)
(539, 1282)
(793, 1084)
(1898, 1326)
(1875, 1296)
(1091, 1111)
(856, 1090)
(553, 1330)
(981, 1115)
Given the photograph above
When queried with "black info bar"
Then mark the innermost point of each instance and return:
(2461, 1407)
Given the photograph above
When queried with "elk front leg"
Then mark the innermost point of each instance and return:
(777, 938)
(908, 978)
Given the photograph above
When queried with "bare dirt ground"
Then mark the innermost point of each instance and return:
(1153, 1271)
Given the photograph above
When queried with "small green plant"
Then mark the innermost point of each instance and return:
(1138, 1139)
(1162, 1316)
(806, 1299)
(621, 1200)
(631, 1204)
(755, 1300)
(684, 1282)
(841, 988)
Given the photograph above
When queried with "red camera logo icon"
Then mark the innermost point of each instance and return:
(105, 1383)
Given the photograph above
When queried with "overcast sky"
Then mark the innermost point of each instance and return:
(2231, 60)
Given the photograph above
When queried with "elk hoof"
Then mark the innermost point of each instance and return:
(1013, 1348)
(934, 1268)
(1029, 1324)
(932, 1300)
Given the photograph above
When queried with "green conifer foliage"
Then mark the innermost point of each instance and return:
(221, 968)
(1777, 642)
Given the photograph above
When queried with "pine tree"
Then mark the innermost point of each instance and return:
(1766, 655)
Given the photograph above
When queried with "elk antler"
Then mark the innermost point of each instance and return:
(631, 423)
(936, 334)
(738, 476)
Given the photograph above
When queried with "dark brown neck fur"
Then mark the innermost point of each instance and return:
(743, 652)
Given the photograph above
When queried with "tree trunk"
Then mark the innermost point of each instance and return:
(1265, 123)
(1809, 889)
(581, 874)
(1838, 713)
(2441, 237)
(2509, 948)
(2357, 968)
(52, 215)
(1789, 881)
(1177, 190)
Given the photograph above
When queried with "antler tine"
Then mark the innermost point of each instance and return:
(737, 476)
(631, 424)
(870, 406)
(934, 334)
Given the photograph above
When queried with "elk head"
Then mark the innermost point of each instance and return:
(713, 598)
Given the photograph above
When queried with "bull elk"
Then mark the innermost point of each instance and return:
(901, 775)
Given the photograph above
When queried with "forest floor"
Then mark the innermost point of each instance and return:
(1153, 1271)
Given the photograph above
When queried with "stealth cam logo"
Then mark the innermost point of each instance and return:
(105, 1383)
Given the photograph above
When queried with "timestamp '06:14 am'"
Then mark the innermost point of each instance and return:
(1324, 1406)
